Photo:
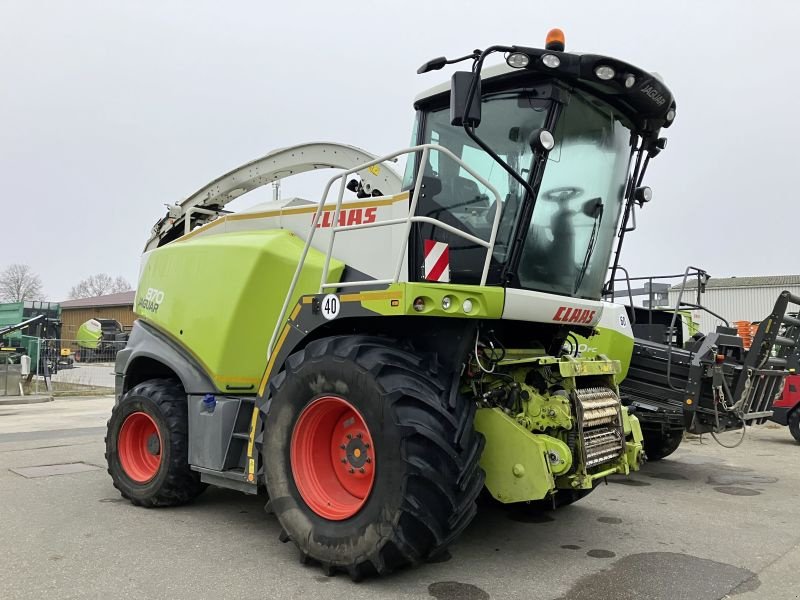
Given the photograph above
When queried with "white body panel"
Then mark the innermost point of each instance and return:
(527, 305)
(373, 251)
(615, 318)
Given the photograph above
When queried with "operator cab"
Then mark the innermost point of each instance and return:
(600, 118)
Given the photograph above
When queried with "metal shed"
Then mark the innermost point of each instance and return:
(112, 306)
(737, 298)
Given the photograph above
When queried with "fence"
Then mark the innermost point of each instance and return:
(61, 367)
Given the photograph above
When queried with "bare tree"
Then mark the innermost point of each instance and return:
(99, 285)
(19, 283)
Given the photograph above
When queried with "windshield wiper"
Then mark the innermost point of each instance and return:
(593, 208)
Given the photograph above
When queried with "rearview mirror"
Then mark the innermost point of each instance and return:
(459, 98)
(432, 65)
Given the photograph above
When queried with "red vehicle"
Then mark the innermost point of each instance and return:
(786, 410)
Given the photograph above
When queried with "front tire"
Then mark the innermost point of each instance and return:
(371, 399)
(660, 444)
(147, 446)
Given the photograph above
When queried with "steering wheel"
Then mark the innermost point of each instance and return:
(562, 194)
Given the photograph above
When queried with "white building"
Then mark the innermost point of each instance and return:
(737, 298)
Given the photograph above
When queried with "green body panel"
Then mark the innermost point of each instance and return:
(611, 343)
(526, 456)
(633, 431)
(514, 459)
(487, 302)
(542, 412)
(89, 336)
(219, 296)
(568, 366)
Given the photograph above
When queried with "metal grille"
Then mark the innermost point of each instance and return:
(600, 423)
(764, 388)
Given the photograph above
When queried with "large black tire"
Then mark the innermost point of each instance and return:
(164, 401)
(794, 423)
(660, 444)
(426, 452)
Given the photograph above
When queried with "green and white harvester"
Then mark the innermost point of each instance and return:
(374, 361)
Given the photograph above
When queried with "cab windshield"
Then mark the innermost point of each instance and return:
(569, 239)
(571, 233)
(455, 197)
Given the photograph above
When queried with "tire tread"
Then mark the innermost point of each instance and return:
(181, 485)
(441, 484)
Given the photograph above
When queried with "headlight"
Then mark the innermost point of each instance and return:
(604, 72)
(518, 60)
(551, 60)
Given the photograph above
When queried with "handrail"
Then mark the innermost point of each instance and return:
(408, 220)
(630, 292)
(187, 224)
(678, 303)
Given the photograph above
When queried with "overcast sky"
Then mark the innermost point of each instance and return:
(109, 110)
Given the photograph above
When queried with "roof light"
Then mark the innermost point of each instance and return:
(555, 40)
(630, 81)
(604, 72)
(551, 60)
(518, 60)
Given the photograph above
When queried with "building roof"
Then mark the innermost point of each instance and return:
(119, 299)
(738, 282)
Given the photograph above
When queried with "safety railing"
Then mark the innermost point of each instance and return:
(408, 221)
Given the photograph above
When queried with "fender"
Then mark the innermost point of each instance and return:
(147, 342)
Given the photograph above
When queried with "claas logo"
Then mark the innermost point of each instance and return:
(566, 314)
(352, 216)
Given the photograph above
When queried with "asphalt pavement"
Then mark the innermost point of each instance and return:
(707, 523)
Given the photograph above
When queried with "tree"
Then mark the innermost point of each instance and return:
(99, 285)
(19, 283)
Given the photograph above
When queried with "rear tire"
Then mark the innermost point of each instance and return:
(794, 423)
(147, 446)
(424, 455)
(660, 444)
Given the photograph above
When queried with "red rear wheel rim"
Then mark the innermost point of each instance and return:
(333, 458)
(139, 447)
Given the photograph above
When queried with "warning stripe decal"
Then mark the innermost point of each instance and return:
(437, 261)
